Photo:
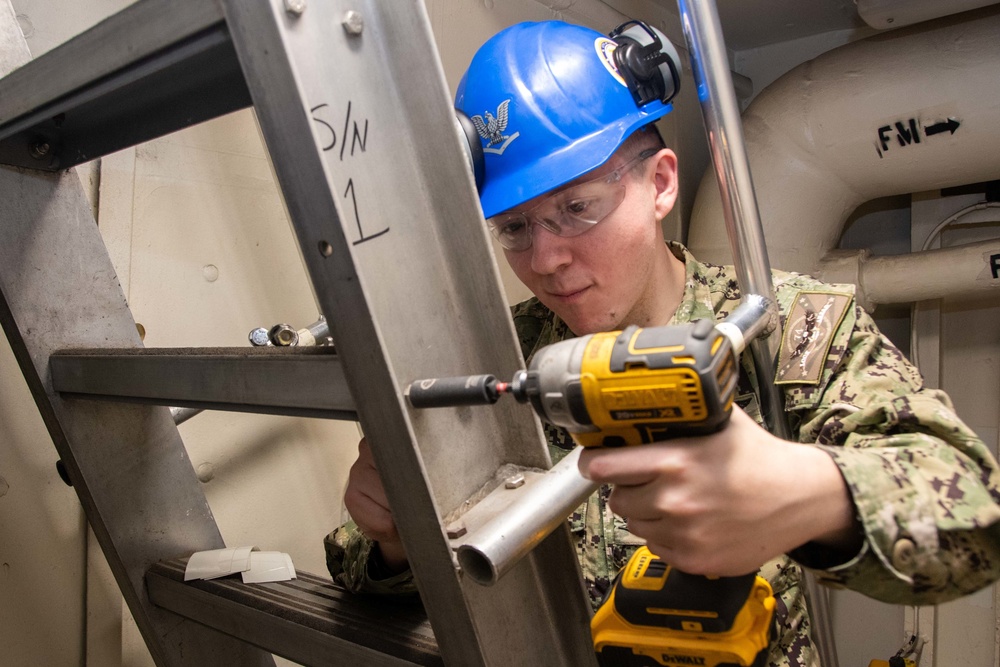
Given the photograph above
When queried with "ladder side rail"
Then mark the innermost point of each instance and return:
(356, 115)
(127, 463)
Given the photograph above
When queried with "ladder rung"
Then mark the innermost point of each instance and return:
(153, 68)
(309, 619)
(300, 381)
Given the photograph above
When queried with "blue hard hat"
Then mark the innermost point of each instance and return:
(549, 105)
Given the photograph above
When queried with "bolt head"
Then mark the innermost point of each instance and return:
(456, 531)
(286, 337)
(258, 337)
(295, 7)
(283, 335)
(40, 149)
(353, 22)
(514, 481)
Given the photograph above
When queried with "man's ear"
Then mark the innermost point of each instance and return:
(665, 180)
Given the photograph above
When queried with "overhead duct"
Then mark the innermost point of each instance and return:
(883, 14)
(908, 111)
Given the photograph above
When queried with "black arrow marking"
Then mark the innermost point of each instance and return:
(949, 125)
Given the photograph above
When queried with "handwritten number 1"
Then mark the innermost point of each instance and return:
(357, 218)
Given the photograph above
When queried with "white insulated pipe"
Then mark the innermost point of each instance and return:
(866, 120)
(934, 274)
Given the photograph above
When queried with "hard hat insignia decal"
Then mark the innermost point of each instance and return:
(492, 128)
(606, 51)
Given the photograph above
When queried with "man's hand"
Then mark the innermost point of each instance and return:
(365, 500)
(726, 503)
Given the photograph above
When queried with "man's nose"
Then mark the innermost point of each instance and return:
(548, 252)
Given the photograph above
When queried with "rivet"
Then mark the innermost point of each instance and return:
(353, 22)
(295, 7)
(210, 272)
(205, 472)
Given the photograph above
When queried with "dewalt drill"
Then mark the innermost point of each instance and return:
(635, 387)
(617, 388)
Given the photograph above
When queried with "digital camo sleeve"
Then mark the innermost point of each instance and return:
(353, 562)
(925, 487)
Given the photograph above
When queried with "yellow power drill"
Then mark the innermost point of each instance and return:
(635, 387)
(616, 388)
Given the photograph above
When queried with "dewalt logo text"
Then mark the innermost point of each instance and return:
(649, 397)
(683, 659)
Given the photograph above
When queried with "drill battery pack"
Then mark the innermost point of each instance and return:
(658, 616)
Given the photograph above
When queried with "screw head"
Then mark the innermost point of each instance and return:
(295, 7)
(353, 22)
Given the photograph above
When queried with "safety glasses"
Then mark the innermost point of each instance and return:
(569, 212)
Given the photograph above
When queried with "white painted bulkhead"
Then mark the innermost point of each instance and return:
(197, 232)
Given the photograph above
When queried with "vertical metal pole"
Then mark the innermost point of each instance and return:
(710, 66)
(720, 111)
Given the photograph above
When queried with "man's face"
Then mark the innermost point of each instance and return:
(602, 279)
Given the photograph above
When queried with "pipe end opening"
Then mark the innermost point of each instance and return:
(477, 566)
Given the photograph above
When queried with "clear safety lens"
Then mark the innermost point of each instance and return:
(573, 212)
(569, 212)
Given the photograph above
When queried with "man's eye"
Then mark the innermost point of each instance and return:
(513, 228)
(578, 207)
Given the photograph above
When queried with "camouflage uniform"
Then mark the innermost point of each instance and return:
(926, 489)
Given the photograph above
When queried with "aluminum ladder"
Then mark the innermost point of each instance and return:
(385, 221)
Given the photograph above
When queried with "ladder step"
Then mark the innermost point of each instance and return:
(309, 619)
(299, 381)
(153, 68)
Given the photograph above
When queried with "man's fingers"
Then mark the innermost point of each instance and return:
(638, 502)
(365, 476)
(373, 518)
(629, 466)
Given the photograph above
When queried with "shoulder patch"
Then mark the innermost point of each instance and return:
(812, 320)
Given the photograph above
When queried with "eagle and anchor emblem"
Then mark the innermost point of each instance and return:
(492, 128)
